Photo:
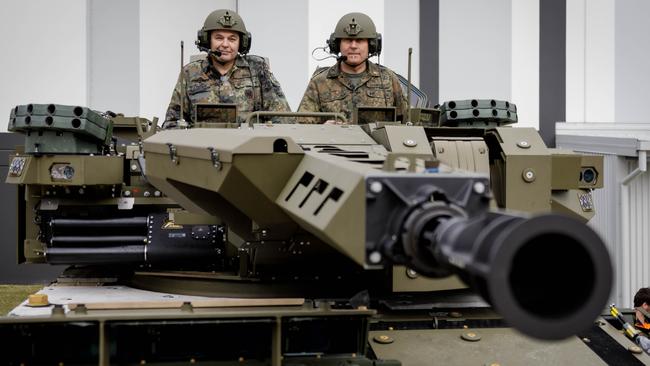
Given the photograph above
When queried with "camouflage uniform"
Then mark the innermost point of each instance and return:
(249, 84)
(331, 90)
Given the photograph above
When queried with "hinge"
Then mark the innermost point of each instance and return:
(214, 156)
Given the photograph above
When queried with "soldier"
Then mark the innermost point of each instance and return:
(227, 74)
(641, 307)
(354, 80)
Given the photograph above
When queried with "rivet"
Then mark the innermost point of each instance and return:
(376, 187)
(411, 273)
(479, 187)
(528, 175)
(470, 336)
(523, 144)
(383, 339)
(410, 143)
(374, 257)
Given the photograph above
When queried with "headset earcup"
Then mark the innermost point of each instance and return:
(245, 44)
(375, 45)
(203, 39)
(333, 45)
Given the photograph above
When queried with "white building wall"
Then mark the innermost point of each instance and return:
(632, 50)
(43, 47)
(608, 80)
(624, 210)
(114, 56)
(591, 60)
(525, 61)
(575, 60)
(401, 31)
(606, 221)
(279, 33)
(638, 271)
(475, 49)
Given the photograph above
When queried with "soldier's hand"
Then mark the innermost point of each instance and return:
(333, 122)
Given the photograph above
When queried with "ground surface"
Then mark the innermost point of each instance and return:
(13, 295)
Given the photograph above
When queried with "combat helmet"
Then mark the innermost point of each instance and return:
(355, 25)
(224, 19)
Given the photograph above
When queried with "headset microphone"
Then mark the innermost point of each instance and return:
(216, 53)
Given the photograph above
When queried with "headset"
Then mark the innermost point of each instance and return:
(203, 41)
(374, 45)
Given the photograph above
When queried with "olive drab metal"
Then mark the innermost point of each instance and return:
(359, 26)
(356, 234)
(224, 19)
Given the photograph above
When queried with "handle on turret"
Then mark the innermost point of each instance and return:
(258, 114)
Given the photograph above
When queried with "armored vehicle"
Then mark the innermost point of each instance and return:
(360, 244)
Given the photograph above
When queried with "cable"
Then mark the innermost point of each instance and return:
(321, 59)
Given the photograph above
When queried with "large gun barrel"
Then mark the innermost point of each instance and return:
(523, 266)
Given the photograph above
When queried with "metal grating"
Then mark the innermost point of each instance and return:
(622, 210)
(630, 253)
(637, 274)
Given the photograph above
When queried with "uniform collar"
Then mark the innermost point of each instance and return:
(209, 68)
(335, 70)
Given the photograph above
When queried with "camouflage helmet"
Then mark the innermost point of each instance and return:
(355, 25)
(224, 19)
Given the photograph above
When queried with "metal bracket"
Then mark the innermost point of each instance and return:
(49, 204)
(586, 201)
(172, 153)
(125, 203)
(214, 156)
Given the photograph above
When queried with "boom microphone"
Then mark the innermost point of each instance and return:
(216, 53)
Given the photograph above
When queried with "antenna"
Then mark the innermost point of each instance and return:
(408, 89)
(181, 119)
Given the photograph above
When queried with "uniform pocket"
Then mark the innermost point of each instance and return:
(243, 83)
(198, 90)
(333, 96)
(377, 93)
